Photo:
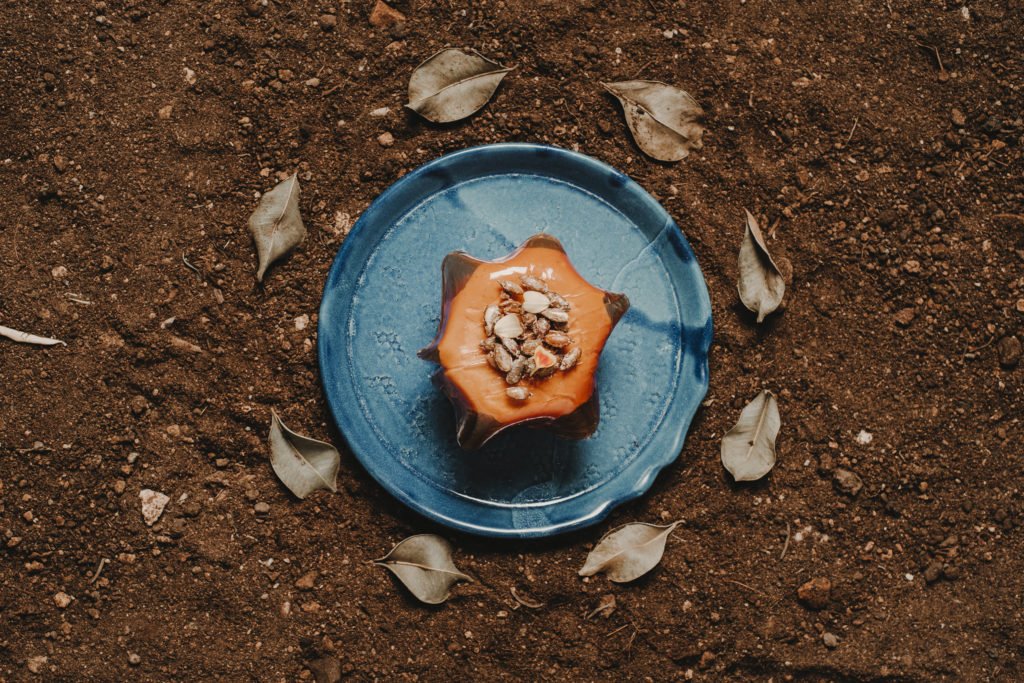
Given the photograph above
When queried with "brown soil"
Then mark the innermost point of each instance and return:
(893, 187)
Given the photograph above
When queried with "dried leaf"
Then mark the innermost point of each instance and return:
(423, 563)
(748, 449)
(761, 285)
(302, 464)
(451, 84)
(26, 338)
(664, 120)
(276, 224)
(629, 552)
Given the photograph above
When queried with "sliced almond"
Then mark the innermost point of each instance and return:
(535, 302)
(508, 327)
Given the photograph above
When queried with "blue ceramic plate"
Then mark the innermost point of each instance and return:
(382, 303)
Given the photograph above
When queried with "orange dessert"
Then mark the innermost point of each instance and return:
(519, 342)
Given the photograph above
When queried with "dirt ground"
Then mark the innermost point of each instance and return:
(881, 143)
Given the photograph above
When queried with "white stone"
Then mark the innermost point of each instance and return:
(153, 504)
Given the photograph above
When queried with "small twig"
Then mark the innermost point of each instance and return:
(740, 583)
(565, 102)
(935, 51)
(99, 570)
(785, 546)
(526, 602)
(190, 266)
(37, 447)
(850, 136)
(632, 637)
(76, 299)
(612, 633)
(641, 69)
(27, 338)
(975, 350)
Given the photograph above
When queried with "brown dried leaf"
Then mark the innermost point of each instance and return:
(423, 563)
(451, 84)
(629, 552)
(302, 464)
(664, 120)
(760, 285)
(748, 449)
(276, 224)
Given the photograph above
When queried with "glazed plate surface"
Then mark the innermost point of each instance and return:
(382, 303)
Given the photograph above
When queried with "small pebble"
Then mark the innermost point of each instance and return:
(62, 599)
(153, 504)
(957, 117)
(815, 593)
(59, 272)
(134, 659)
(386, 139)
(847, 482)
(36, 664)
(830, 640)
(1009, 349)
(307, 581)
(383, 15)
(887, 217)
(261, 508)
(328, 22)
(904, 316)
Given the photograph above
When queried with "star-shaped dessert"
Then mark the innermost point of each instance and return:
(519, 342)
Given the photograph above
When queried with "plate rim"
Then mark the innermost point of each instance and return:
(618, 497)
